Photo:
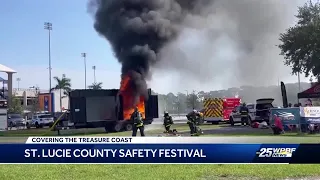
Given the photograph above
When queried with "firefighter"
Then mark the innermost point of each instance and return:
(167, 121)
(192, 122)
(199, 121)
(199, 118)
(244, 114)
(136, 118)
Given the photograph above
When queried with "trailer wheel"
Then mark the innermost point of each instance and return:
(128, 127)
(117, 127)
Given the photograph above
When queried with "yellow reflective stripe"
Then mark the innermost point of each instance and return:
(213, 107)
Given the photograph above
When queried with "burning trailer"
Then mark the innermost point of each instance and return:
(109, 108)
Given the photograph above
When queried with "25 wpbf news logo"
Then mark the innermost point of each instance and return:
(275, 152)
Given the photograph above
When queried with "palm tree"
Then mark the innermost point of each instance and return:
(64, 86)
(95, 86)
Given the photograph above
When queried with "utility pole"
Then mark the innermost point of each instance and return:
(94, 73)
(193, 100)
(48, 26)
(18, 80)
(84, 55)
(299, 82)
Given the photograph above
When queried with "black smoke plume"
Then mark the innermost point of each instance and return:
(137, 30)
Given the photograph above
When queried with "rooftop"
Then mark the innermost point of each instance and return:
(3, 80)
(6, 69)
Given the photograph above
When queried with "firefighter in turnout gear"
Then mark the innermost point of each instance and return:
(136, 118)
(192, 122)
(167, 121)
(199, 121)
(244, 114)
(200, 118)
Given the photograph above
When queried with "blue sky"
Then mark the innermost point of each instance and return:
(24, 43)
(24, 47)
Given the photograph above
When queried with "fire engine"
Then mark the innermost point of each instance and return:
(218, 109)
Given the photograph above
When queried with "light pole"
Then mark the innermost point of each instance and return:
(94, 73)
(84, 55)
(187, 99)
(299, 82)
(18, 80)
(193, 99)
(48, 26)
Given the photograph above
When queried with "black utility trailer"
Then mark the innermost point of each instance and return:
(104, 108)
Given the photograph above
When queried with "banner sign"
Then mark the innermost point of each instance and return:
(310, 115)
(127, 150)
(288, 116)
(46, 102)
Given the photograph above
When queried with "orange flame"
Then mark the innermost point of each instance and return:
(128, 99)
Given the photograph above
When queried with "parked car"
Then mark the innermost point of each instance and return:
(258, 112)
(40, 120)
(263, 107)
(235, 116)
(252, 111)
(15, 120)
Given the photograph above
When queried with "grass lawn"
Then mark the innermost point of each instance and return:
(157, 172)
(150, 130)
(256, 136)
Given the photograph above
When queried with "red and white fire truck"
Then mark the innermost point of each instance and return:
(219, 109)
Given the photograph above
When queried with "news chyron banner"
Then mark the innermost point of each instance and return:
(153, 150)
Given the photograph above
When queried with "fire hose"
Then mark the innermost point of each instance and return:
(55, 123)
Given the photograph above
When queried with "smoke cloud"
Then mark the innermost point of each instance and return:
(212, 41)
(230, 43)
(137, 31)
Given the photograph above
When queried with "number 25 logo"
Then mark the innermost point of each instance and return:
(265, 152)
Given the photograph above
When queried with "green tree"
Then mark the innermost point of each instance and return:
(64, 86)
(96, 86)
(193, 100)
(300, 43)
(15, 106)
